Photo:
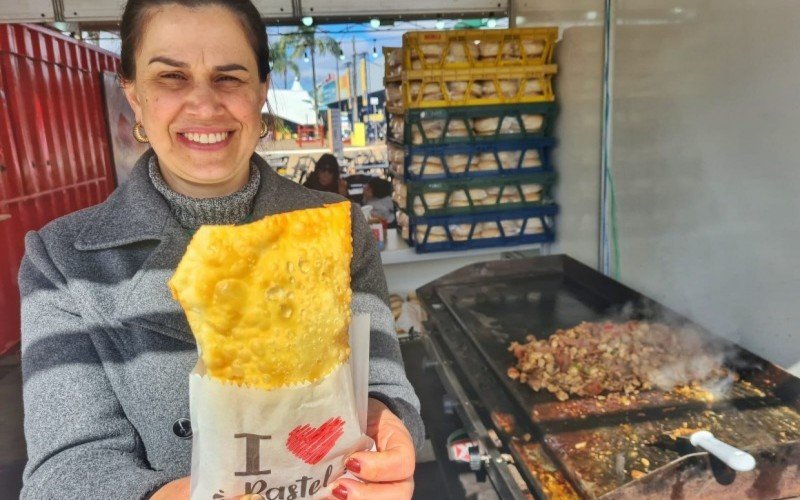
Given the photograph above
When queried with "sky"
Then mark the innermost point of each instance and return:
(365, 38)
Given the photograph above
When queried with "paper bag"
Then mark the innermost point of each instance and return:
(288, 443)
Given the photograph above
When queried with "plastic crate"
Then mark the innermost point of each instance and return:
(426, 89)
(498, 229)
(431, 163)
(465, 49)
(470, 125)
(427, 199)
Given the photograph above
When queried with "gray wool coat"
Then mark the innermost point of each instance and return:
(106, 351)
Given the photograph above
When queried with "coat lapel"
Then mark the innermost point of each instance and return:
(148, 301)
(135, 214)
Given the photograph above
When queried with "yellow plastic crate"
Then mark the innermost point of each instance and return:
(470, 49)
(472, 87)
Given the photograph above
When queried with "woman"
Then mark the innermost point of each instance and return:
(325, 176)
(106, 350)
(378, 195)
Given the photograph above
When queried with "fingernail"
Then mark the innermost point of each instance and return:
(340, 492)
(353, 465)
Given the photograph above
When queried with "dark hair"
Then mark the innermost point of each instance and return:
(328, 163)
(136, 15)
(381, 188)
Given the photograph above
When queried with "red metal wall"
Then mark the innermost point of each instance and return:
(55, 156)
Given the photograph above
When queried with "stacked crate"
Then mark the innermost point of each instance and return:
(470, 116)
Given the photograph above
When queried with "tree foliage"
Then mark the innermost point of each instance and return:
(282, 60)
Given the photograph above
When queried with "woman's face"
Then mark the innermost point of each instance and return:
(325, 176)
(367, 194)
(198, 97)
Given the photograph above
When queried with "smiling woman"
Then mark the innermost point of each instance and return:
(106, 350)
(198, 98)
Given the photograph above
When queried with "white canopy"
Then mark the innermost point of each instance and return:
(294, 105)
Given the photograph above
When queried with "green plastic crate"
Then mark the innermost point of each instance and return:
(470, 125)
(470, 196)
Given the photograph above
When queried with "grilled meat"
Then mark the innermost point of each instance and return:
(595, 358)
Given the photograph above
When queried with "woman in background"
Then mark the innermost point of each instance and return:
(325, 176)
(378, 195)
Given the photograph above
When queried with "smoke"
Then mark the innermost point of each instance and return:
(721, 388)
(703, 357)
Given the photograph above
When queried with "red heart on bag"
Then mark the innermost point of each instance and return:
(311, 444)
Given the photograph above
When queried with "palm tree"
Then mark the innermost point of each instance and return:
(281, 56)
(307, 38)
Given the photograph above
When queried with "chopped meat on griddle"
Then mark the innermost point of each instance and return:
(593, 358)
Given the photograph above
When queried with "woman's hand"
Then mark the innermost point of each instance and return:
(387, 473)
(343, 187)
(174, 490)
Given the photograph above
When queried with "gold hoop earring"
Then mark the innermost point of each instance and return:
(138, 135)
(264, 129)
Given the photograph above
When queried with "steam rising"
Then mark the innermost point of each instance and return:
(714, 361)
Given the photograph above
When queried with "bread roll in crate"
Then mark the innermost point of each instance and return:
(393, 61)
(394, 93)
(442, 88)
(396, 158)
(470, 124)
(404, 226)
(464, 232)
(399, 192)
(465, 49)
(437, 163)
(504, 192)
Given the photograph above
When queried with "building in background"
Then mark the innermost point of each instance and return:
(293, 107)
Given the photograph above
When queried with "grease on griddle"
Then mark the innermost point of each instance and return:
(552, 481)
(603, 459)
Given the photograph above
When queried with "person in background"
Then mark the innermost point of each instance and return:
(378, 195)
(325, 176)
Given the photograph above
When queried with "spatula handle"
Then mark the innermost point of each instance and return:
(734, 458)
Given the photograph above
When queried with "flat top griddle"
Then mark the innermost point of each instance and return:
(497, 312)
(594, 444)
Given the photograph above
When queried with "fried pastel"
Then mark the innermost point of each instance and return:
(269, 301)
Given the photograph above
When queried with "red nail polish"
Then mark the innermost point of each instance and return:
(353, 465)
(340, 492)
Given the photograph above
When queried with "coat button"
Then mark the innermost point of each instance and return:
(182, 428)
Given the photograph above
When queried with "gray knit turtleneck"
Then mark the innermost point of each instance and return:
(194, 212)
